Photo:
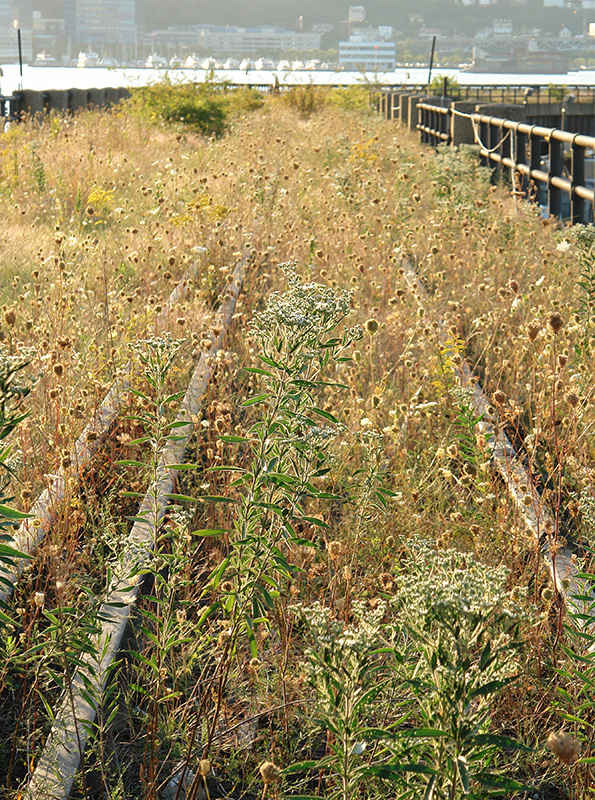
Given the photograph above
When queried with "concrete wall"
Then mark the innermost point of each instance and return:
(64, 100)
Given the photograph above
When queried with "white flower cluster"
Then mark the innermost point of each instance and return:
(319, 436)
(581, 236)
(304, 310)
(366, 632)
(453, 583)
(157, 354)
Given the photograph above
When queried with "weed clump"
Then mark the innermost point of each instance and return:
(198, 106)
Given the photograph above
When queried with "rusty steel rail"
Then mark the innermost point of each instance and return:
(44, 511)
(549, 157)
(59, 761)
(558, 558)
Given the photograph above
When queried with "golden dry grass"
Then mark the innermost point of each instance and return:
(103, 211)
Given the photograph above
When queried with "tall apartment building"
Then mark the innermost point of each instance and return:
(21, 12)
(105, 26)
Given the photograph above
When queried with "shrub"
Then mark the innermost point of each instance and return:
(437, 85)
(351, 98)
(200, 106)
(306, 99)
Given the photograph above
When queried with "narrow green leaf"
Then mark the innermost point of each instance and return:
(463, 774)
(9, 552)
(252, 401)
(12, 513)
(325, 414)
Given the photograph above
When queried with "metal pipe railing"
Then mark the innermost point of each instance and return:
(524, 150)
(520, 93)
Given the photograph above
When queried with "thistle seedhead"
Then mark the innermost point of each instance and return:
(565, 746)
(269, 772)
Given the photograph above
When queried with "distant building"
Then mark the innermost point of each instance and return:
(10, 13)
(48, 34)
(322, 27)
(502, 27)
(103, 25)
(218, 40)
(358, 53)
(357, 15)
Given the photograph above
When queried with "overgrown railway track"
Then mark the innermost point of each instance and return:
(558, 557)
(56, 768)
(44, 510)
(54, 772)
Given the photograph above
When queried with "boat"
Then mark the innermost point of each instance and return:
(295, 65)
(155, 62)
(283, 66)
(208, 63)
(264, 63)
(89, 59)
(231, 63)
(44, 59)
(246, 64)
(175, 62)
(191, 62)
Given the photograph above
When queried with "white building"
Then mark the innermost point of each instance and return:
(358, 53)
(357, 14)
(231, 41)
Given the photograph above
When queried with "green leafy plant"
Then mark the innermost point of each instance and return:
(349, 672)
(576, 694)
(195, 106)
(466, 433)
(405, 691)
(203, 107)
(352, 98)
(13, 391)
(463, 626)
(158, 623)
(436, 87)
(299, 343)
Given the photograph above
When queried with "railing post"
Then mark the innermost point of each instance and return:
(484, 138)
(421, 120)
(521, 158)
(578, 205)
(535, 162)
(555, 171)
(445, 127)
(491, 143)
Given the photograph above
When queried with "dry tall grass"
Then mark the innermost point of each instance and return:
(103, 212)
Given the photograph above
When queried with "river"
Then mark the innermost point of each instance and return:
(41, 78)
